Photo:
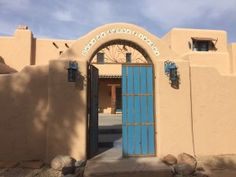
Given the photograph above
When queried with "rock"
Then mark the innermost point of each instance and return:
(79, 172)
(184, 169)
(169, 159)
(185, 158)
(68, 170)
(80, 163)
(66, 164)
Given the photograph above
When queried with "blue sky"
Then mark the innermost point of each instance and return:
(70, 19)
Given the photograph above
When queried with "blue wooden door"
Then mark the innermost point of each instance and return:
(138, 115)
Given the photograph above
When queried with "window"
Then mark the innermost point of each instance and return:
(100, 57)
(128, 57)
(203, 44)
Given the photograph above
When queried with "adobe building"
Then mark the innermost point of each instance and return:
(176, 93)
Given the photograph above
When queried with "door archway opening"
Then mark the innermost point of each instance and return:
(121, 100)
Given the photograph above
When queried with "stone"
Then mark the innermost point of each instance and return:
(80, 163)
(63, 163)
(79, 172)
(68, 170)
(185, 158)
(184, 169)
(169, 159)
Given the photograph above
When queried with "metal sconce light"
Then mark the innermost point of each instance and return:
(72, 71)
(171, 70)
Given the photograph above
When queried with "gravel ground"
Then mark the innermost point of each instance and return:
(24, 172)
(48, 172)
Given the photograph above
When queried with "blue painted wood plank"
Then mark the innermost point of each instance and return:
(130, 118)
(143, 90)
(124, 111)
(137, 110)
(151, 138)
(138, 139)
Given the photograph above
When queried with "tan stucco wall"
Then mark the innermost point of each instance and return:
(195, 118)
(45, 50)
(66, 131)
(109, 70)
(213, 101)
(42, 115)
(163, 115)
(220, 61)
(104, 97)
(23, 114)
(16, 50)
(232, 51)
(22, 49)
(179, 39)
(173, 112)
(30, 51)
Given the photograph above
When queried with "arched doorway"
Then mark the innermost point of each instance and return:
(132, 68)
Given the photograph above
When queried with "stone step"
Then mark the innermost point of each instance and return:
(126, 167)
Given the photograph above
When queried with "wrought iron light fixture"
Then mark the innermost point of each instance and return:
(171, 70)
(72, 71)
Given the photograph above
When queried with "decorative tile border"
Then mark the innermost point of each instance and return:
(127, 31)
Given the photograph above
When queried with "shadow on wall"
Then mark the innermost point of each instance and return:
(30, 102)
(23, 106)
(67, 110)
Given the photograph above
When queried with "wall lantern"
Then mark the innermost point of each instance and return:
(72, 71)
(171, 70)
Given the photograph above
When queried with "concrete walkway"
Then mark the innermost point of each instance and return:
(110, 131)
(129, 167)
(111, 164)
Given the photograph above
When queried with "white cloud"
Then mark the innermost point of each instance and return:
(179, 12)
(101, 11)
(6, 28)
(62, 15)
(48, 17)
(90, 12)
(14, 4)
